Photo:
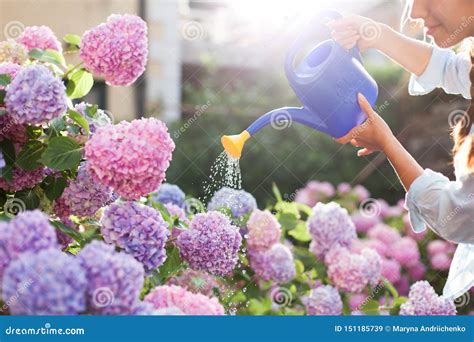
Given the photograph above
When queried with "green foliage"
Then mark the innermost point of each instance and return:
(48, 56)
(79, 84)
(62, 153)
(29, 155)
(79, 119)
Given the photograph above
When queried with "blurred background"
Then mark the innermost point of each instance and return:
(215, 66)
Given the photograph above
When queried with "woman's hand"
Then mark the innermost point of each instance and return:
(355, 29)
(372, 135)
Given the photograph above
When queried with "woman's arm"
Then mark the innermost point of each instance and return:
(406, 167)
(411, 54)
(375, 135)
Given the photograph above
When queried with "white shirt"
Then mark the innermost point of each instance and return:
(447, 207)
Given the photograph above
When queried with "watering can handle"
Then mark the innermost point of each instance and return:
(300, 40)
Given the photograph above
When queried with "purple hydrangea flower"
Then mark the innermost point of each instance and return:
(405, 251)
(84, 196)
(351, 272)
(330, 225)
(114, 279)
(275, 264)
(391, 270)
(423, 300)
(314, 192)
(384, 233)
(211, 243)
(2, 160)
(35, 96)
(30, 231)
(169, 193)
(46, 283)
(364, 223)
(263, 230)
(138, 229)
(22, 179)
(240, 202)
(98, 119)
(323, 300)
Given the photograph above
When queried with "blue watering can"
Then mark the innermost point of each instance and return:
(326, 81)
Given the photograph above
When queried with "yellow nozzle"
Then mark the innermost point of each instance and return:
(233, 144)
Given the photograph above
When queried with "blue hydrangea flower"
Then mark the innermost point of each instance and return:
(240, 202)
(169, 193)
(46, 283)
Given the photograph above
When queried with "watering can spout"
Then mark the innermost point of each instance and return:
(233, 144)
(279, 119)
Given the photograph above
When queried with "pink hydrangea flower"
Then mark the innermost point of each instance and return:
(196, 282)
(391, 270)
(12, 130)
(384, 233)
(356, 301)
(130, 157)
(39, 37)
(263, 230)
(22, 179)
(405, 251)
(361, 192)
(417, 271)
(275, 264)
(423, 300)
(440, 246)
(314, 192)
(351, 272)
(189, 303)
(364, 223)
(329, 225)
(441, 261)
(344, 188)
(116, 50)
(9, 68)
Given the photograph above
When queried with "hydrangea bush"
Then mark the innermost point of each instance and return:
(88, 226)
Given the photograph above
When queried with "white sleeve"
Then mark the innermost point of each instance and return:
(445, 206)
(445, 70)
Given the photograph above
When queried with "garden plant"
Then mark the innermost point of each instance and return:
(89, 225)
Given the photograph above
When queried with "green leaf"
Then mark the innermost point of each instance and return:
(53, 186)
(80, 83)
(276, 192)
(62, 153)
(300, 233)
(171, 266)
(68, 231)
(29, 198)
(2, 100)
(56, 126)
(72, 39)
(371, 307)
(91, 110)
(5, 80)
(48, 56)
(79, 119)
(34, 132)
(288, 221)
(9, 154)
(3, 198)
(396, 305)
(29, 155)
